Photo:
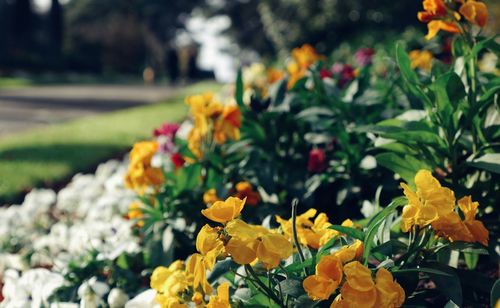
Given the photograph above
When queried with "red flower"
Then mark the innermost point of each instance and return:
(167, 129)
(317, 161)
(178, 160)
(324, 73)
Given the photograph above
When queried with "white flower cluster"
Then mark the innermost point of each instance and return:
(41, 236)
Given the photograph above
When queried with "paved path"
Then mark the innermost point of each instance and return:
(27, 108)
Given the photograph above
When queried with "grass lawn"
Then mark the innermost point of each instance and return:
(14, 82)
(52, 155)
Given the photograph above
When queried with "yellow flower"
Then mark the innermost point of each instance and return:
(475, 227)
(169, 282)
(207, 239)
(197, 298)
(311, 233)
(272, 249)
(224, 211)
(141, 175)
(350, 252)
(245, 190)
(251, 242)
(389, 292)
(302, 58)
(359, 289)
(326, 280)
(196, 268)
(195, 142)
(135, 212)
(228, 125)
(221, 300)
(319, 287)
(242, 251)
(169, 302)
(475, 12)
(428, 203)
(421, 59)
(210, 196)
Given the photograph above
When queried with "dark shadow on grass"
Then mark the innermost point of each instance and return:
(77, 157)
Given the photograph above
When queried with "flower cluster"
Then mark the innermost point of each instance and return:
(341, 271)
(257, 80)
(214, 123)
(311, 233)
(244, 243)
(242, 190)
(432, 204)
(141, 175)
(302, 58)
(440, 15)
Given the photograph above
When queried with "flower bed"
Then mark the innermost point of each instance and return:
(366, 180)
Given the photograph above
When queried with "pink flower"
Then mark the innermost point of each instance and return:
(167, 129)
(364, 56)
(317, 161)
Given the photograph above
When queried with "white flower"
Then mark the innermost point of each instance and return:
(145, 299)
(91, 293)
(368, 162)
(117, 298)
(32, 288)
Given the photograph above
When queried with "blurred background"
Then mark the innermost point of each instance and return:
(64, 40)
(69, 67)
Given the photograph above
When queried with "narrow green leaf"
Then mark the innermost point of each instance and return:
(495, 293)
(352, 232)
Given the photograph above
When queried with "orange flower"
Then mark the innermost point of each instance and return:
(435, 26)
(421, 59)
(302, 58)
(475, 12)
(433, 9)
(475, 227)
(438, 18)
(210, 196)
(141, 175)
(326, 280)
(228, 125)
(245, 190)
(274, 75)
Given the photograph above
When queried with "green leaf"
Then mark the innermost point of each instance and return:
(406, 166)
(188, 177)
(409, 76)
(314, 113)
(448, 89)
(352, 232)
(449, 285)
(221, 268)
(390, 247)
(468, 248)
(495, 293)
(291, 287)
(239, 89)
(376, 222)
(426, 270)
(407, 132)
(489, 162)
(277, 92)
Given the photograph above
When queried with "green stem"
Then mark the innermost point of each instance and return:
(264, 288)
(295, 203)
